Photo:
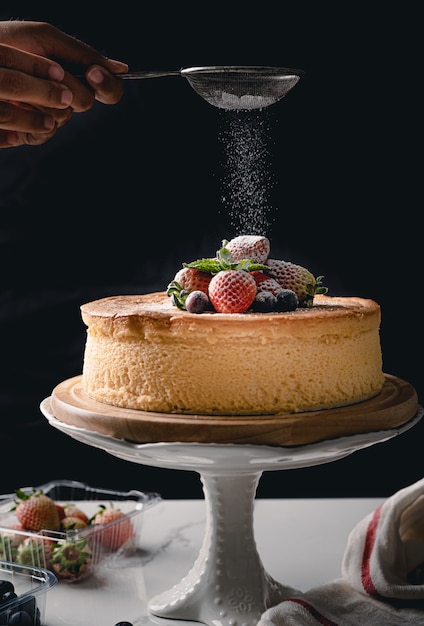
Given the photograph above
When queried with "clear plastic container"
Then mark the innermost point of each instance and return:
(74, 554)
(29, 586)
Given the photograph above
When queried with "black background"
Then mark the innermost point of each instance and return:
(122, 195)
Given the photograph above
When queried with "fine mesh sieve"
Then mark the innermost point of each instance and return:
(234, 87)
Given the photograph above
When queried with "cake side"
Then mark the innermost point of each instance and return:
(143, 353)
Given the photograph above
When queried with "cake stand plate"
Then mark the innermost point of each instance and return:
(393, 406)
(227, 585)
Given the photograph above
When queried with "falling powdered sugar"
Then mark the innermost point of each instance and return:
(246, 181)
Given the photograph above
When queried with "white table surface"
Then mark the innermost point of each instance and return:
(300, 542)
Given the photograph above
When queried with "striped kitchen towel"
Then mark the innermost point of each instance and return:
(382, 573)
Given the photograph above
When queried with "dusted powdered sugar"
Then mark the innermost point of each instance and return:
(247, 181)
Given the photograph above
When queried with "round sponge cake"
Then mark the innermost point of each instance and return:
(144, 353)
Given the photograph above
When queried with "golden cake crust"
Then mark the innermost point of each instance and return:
(144, 353)
(116, 313)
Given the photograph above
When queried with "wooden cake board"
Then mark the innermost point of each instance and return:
(395, 405)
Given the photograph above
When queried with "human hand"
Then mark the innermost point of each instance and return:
(37, 95)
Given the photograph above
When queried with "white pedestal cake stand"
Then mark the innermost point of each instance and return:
(227, 585)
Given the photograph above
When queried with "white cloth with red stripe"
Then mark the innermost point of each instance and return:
(382, 570)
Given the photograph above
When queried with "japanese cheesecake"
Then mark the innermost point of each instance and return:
(144, 353)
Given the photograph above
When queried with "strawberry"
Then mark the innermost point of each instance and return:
(189, 281)
(10, 542)
(70, 522)
(297, 279)
(60, 511)
(232, 291)
(71, 510)
(34, 551)
(240, 284)
(253, 247)
(266, 283)
(71, 559)
(36, 511)
(192, 279)
(15, 538)
(116, 533)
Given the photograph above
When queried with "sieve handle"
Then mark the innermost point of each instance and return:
(147, 74)
(143, 74)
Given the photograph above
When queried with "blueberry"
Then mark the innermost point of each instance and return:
(5, 586)
(7, 596)
(264, 302)
(21, 618)
(27, 604)
(197, 302)
(286, 300)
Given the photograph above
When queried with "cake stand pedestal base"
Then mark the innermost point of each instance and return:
(228, 584)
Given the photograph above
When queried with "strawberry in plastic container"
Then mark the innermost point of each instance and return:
(113, 535)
